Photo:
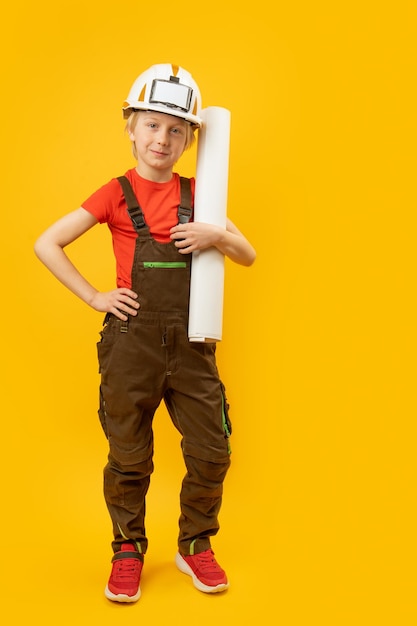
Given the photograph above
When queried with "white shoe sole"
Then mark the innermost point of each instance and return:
(121, 597)
(186, 569)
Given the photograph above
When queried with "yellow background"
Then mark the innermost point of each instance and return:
(319, 347)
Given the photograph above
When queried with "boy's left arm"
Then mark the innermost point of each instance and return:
(229, 241)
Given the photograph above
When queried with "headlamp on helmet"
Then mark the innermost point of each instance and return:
(171, 93)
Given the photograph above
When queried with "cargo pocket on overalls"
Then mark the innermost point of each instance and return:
(103, 342)
(102, 413)
(103, 346)
(227, 424)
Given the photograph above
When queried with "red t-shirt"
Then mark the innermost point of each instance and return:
(159, 203)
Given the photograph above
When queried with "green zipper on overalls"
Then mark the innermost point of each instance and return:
(164, 265)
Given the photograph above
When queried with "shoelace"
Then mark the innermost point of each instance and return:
(206, 562)
(127, 568)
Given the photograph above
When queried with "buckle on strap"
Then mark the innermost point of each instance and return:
(133, 207)
(137, 218)
(185, 209)
(184, 214)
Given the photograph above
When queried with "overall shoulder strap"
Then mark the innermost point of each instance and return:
(185, 209)
(133, 207)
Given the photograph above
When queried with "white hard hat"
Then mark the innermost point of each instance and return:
(168, 89)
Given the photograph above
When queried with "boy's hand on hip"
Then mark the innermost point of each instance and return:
(121, 302)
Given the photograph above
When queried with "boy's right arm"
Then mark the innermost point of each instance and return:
(49, 248)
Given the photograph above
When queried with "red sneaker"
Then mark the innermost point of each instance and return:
(123, 585)
(203, 568)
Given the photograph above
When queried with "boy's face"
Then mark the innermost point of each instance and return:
(160, 141)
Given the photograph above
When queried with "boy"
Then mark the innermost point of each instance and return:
(144, 353)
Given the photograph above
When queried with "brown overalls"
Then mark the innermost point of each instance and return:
(147, 359)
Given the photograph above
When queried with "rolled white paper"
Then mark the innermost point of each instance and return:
(210, 206)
